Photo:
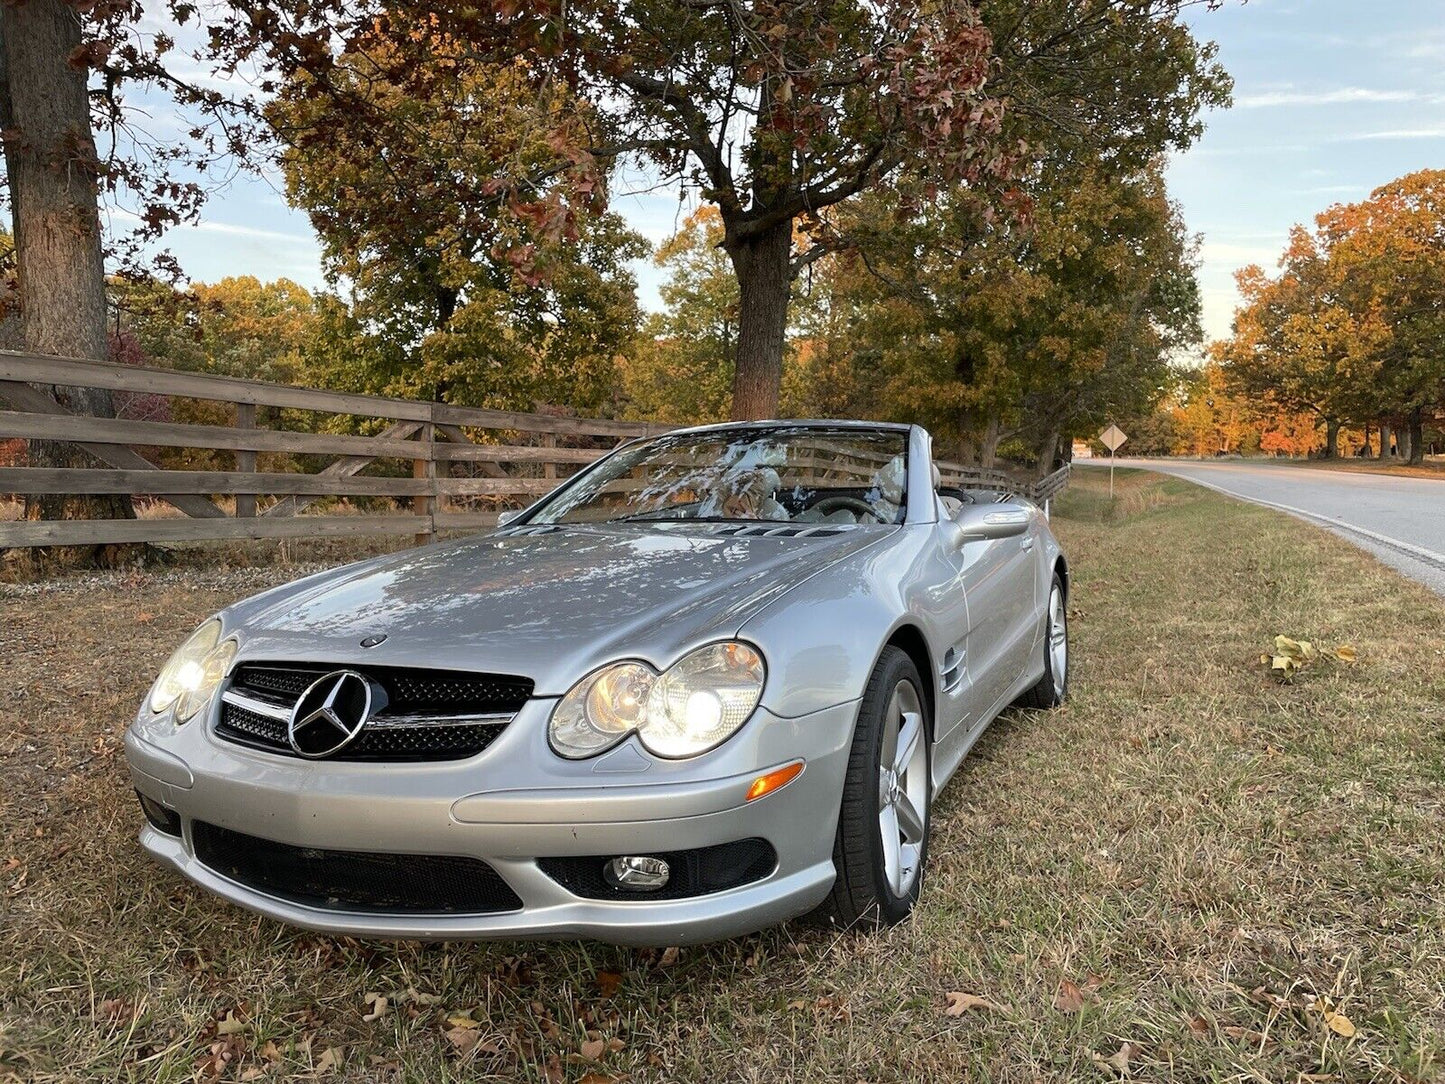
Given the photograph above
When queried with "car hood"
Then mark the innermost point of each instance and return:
(546, 604)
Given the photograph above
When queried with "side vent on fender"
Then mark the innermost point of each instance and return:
(950, 671)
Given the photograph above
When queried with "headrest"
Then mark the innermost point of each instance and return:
(892, 479)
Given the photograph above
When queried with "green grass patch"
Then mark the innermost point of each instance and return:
(1232, 872)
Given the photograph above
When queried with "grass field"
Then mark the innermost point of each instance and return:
(1190, 873)
(1433, 467)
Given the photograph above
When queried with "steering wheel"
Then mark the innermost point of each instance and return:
(852, 504)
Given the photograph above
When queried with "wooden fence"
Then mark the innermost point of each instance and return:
(454, 466)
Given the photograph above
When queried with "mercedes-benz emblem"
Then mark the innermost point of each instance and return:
(330, 714)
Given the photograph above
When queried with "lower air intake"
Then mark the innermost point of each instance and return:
(362, 881)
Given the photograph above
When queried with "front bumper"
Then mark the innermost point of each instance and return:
(510, 805)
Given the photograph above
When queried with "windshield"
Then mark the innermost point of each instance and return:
(796, 474)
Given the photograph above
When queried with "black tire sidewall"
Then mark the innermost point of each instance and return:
(893, 667)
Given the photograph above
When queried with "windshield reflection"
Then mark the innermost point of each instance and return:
(792, 474)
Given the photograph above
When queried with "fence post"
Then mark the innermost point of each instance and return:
(425, 504)
(549, 468)
(246, 460)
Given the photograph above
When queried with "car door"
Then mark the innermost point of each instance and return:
(999, 579)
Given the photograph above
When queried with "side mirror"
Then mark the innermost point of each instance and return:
(990, 522)
(509, 516)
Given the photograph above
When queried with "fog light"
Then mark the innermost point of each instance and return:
(637, 873)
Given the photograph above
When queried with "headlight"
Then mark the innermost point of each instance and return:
(696, 704)
(193, 673)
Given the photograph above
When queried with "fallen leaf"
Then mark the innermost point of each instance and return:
(230, 1025)
(461, 1020)
(607, 982)
(960, 1003)
(1119, 1060)
(1070, 997)
(463, 1040)
(330, 1060)
(669, 956)
(553, 1070)
(376, 1005)
(1337, 1022)
(1346, 653)
(114, 1008)
(592, 1049)
(1198, 1025)
(600, 1078)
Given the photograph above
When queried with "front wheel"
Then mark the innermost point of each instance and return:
(882, 841)
(1053, 688)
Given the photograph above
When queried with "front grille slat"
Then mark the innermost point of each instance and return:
(429, 715)
(356, 881)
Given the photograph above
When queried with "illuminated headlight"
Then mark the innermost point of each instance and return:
(697, 703)
(192, 675)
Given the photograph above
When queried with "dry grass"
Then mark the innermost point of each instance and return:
(1220, 851)
(1432, 467)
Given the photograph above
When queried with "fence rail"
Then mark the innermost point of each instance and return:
(453, 466)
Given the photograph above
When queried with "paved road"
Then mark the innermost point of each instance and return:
(1400, 520)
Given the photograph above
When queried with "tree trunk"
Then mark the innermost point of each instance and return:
(763, 267)
(1332, 438)
(988, 445)
(1417, 436)
(1385, 435)
(1404, 442)
(52, 170)
(1048, 452)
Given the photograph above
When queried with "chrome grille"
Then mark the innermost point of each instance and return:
(429, 714)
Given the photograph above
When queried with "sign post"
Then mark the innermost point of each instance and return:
(1112, 438)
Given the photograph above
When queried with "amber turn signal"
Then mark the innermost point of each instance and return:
(776, 779)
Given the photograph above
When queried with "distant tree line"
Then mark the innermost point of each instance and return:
(1351, 331)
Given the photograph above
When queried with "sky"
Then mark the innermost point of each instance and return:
(1332, 99)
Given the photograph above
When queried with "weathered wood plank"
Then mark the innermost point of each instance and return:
(39, 480)
(342, 468)
(40, 403)
(246, 461)
(76, 372)
(462, 521)
(83, 532)
(172, 435)
(515, 453)
(481, 418)
(484, 487)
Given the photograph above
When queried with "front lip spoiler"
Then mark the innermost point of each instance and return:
(611, 804)
(713, 917)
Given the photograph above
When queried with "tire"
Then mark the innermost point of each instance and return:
(1052, 689)
(871, 891)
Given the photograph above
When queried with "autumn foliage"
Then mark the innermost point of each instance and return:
(1349, 332)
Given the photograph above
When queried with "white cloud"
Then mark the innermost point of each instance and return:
(1392, 134)
(1338, 96)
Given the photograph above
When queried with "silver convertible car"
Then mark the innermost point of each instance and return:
(710, 683)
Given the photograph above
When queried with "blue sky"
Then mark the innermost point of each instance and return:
(1332, 98)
